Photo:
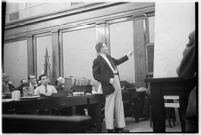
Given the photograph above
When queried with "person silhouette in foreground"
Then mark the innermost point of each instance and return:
(187, 70)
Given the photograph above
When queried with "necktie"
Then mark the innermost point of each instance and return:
(114, 67)
(45, 88)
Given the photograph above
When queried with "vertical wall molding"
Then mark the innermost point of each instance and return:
(61, 69)
(34, 55)
(30, 55)
(55, 55)
(139, 51)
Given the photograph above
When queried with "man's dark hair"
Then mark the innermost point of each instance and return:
(99, 46)
(42, 76)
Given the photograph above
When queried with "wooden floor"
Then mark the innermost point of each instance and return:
(144, 126)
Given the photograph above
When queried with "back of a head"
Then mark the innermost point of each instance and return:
(60, 80)
(5, 77)
(98, 47)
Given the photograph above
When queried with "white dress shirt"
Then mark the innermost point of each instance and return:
(108, 62)
(41, 90)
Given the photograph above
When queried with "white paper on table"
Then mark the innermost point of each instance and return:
(141, 89)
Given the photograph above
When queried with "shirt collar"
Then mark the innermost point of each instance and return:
(103, 55)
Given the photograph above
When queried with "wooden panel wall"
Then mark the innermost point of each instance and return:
(30, 55)
(55, 23)
(139, 51)
(15, 60)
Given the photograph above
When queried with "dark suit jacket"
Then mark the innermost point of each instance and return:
(187, 68)
(63, 91)
(102, 72)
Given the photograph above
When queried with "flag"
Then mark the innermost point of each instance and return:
(47, 68)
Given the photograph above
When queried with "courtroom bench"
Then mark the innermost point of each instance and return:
(34, 106)
(12, 123)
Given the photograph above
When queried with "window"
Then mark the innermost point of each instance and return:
(120, 45)
(42, 43)
(15, 60)
(79, 52)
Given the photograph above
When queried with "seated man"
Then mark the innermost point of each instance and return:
(32, 82)
(23, 83)
(44, 89)
(59, 85)
(7, 86)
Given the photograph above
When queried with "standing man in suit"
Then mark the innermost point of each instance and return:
(187, 70)
(105, 71)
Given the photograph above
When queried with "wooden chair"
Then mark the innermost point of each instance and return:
(172, 105)
(169, 106)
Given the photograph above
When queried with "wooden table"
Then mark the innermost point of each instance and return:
(30, 105)
(167, 86)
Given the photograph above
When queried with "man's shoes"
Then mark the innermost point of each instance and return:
(110, 131)
(121, 130)
(136, 120)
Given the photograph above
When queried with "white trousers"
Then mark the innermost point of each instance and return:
(114, 109)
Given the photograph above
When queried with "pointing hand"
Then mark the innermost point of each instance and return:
(130, 53)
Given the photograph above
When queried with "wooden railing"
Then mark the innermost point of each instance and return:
(23, 123)
(29, 106)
